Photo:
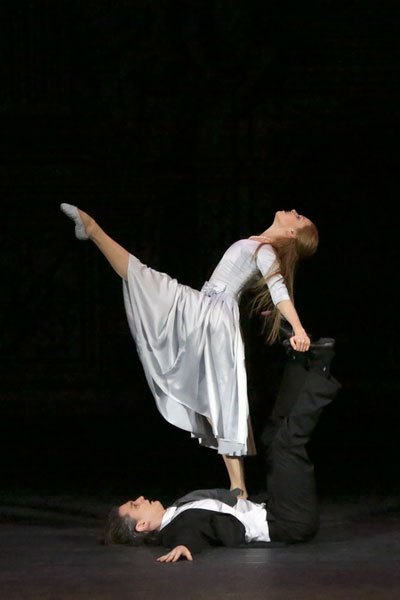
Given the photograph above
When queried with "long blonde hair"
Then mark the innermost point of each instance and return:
(288, 252)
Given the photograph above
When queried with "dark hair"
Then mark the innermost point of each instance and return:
(122, 530)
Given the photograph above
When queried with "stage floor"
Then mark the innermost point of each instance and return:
(49, 551)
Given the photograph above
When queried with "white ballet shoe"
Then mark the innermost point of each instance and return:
(72, 212)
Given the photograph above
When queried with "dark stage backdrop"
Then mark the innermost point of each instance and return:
(182, 126)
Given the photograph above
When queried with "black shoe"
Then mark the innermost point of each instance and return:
(323, 344)
(317, 358)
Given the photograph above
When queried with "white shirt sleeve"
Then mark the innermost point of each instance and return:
(267, 263)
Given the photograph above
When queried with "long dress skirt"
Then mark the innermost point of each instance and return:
(191, 349)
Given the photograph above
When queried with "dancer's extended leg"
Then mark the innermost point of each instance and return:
(117, 256)
(235, 468)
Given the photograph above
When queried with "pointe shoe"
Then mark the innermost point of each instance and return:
(72, 212)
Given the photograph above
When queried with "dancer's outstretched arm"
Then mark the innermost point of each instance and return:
(300, 340)
(117, 256)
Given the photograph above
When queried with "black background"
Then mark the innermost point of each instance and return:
(182, 126)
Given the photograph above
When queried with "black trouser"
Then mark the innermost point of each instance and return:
(292, 509)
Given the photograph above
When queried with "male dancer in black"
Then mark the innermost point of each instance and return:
(207, 518)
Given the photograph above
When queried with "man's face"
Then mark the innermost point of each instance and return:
(142, 510)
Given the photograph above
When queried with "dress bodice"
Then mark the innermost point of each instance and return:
(239, 265)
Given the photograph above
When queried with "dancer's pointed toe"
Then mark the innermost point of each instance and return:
(73, 213)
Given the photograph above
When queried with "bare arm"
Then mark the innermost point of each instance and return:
(300, 340)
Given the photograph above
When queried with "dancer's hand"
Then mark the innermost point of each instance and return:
(300, 341)
(175, 554)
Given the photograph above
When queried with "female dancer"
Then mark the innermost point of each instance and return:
(189, 341)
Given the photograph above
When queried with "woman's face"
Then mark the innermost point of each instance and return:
(290, 219)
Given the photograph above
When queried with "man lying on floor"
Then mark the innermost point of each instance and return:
(218, 517)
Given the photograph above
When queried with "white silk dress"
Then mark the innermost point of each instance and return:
(190, 344)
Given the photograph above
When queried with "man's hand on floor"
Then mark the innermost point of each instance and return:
(176, 554)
